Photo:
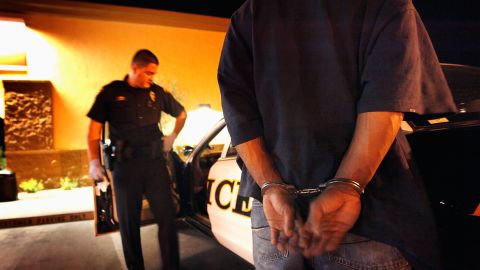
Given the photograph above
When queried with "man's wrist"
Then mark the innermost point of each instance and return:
(359, 188)
(95, 162)
(277, 184)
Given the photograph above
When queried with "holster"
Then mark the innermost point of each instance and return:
(108, 155)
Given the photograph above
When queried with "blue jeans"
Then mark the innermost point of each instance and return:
(355, 252)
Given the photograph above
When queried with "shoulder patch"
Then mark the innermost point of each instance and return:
(153, 96)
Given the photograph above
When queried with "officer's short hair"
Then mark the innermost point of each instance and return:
(144, 57)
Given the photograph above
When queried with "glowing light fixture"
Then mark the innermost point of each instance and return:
(199, 122)
(13, 57)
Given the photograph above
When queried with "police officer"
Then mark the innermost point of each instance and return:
(132, 108)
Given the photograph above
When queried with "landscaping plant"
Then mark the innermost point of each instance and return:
(31, 185)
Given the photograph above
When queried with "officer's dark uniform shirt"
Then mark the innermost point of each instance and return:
(133, 113)
(299, 72)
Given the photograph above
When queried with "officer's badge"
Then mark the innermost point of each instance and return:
(153, 97)
(120, 98)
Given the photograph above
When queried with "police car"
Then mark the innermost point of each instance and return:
(447, 151)
(209, 193)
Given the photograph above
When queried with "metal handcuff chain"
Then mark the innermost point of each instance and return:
(310, 192)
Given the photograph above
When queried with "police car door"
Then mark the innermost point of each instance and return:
(229, 213)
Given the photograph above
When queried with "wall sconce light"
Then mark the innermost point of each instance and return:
(13, 56)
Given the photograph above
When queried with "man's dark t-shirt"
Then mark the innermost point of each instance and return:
(298, 73)
(133, 113)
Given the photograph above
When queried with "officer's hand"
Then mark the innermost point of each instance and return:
(331, 216)
(279, 210)
(96, 170)
(168, 141)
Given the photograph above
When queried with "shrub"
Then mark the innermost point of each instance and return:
(31, 185)
(66, 183)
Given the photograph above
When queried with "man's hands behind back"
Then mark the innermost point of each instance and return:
(332, 214)
(279, 209)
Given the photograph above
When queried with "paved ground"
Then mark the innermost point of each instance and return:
(72, 245)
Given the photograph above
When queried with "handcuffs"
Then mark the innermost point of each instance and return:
(308, 192)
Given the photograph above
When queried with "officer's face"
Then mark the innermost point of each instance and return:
(143, 76)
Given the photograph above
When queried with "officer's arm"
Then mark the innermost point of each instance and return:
(169, 139)
(93, 139)
(180, 122)
(95, 169)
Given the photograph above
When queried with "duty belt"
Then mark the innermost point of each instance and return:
(124, 152)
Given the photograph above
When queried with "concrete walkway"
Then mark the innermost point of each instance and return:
(47, 206)
(72, 246)
(48, 202)
(54, 243)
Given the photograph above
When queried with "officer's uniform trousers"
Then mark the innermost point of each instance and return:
(133, 178)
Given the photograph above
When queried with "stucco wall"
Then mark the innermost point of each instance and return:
(28, 115)
(80, 55)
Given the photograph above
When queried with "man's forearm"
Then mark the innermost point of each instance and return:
(373, 137)
(93, 149)
(93, 140)
(180, 122)
(258, 161)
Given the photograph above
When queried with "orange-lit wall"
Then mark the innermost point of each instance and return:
(80, 55)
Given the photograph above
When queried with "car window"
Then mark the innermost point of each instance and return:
(217, 143)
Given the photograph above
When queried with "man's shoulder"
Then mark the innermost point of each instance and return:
(394, 7)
